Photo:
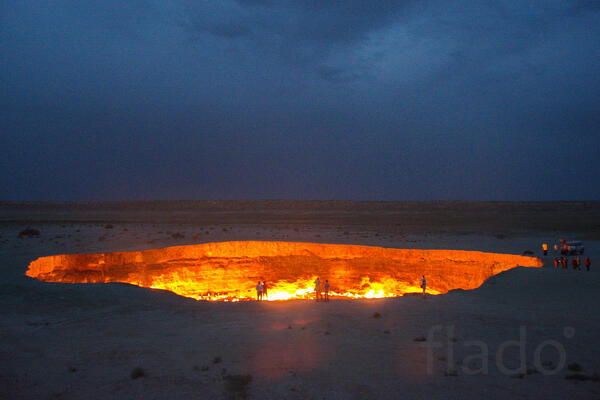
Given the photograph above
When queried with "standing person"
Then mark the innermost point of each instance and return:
(265, 294)
(424, 285)
(587, 263)
(556, 262)
(574, 263)
(318, 289)
(578, 263)
(563, 262)
(259, 289)
(563, 247)
(545, 248)
(326, 290)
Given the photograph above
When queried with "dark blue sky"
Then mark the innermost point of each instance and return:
(361, 100)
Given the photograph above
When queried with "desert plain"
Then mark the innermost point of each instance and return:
(524, 333)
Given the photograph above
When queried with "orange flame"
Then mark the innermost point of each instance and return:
(229, 271)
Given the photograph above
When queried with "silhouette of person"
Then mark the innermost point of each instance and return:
(424, 285)
(587, 263)
(265, 294)
(259, 289)
(326, 290)
(318, 289)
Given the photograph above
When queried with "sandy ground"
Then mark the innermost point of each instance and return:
(120, 341)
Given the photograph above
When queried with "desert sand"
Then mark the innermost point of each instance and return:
(524, 333)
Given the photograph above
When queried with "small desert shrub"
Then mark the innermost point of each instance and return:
(583, 377)
(29, 232)
(575, 367)
(420, 339)
(237, 384)
(450, 372)
(376, 315)
(137, 372)
(531, 371)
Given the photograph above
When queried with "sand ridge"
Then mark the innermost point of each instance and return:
(86, 340)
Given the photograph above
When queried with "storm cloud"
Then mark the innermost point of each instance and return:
(477, 100)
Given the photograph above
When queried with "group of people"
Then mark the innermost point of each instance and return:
(321, 293)
(261, 291)
(563, 263)
(322, 289)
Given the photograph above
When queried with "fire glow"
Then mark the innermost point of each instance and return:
(229, 271)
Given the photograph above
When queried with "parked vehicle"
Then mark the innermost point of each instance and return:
(572, 248)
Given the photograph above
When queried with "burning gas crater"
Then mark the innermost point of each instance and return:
(229, 271)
